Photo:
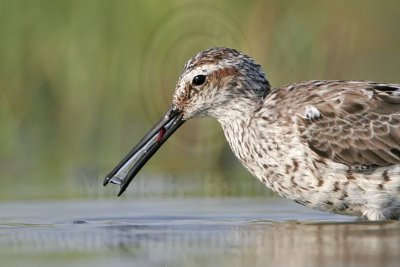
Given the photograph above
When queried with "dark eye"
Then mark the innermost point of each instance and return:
(199, 80)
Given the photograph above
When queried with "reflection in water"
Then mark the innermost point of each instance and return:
(244, 235)
(297, 244)
(278, 244)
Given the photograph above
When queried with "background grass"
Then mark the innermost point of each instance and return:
(82, 81)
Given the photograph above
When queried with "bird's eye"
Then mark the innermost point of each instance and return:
(199, 80)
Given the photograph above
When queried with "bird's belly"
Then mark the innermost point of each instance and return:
(372, 195)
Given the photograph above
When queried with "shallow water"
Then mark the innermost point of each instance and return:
(190, 232)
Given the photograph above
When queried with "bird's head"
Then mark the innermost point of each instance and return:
(214, 80)
(218, 82)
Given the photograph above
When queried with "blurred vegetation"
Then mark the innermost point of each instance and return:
(82, 81)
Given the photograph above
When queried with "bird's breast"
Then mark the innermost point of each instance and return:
(279, 159)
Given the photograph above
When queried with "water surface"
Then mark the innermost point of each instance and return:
(190, 232)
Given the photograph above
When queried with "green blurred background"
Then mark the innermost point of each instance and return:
(81, 81)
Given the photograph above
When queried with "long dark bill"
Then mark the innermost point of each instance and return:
(131, 164)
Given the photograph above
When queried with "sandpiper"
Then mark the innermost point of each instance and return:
(327, 144)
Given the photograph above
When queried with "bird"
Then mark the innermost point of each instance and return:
(331, 145)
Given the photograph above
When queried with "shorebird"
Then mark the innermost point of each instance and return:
(331, 145)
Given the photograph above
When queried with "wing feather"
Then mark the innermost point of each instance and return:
(359, 122)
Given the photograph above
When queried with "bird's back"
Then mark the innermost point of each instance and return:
(349, 122)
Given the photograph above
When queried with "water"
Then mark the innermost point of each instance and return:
(190, 232)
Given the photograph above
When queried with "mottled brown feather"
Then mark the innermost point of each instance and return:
(359, 122)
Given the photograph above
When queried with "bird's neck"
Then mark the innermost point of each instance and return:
(260, 142)
(238, 127)
(237, 111)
